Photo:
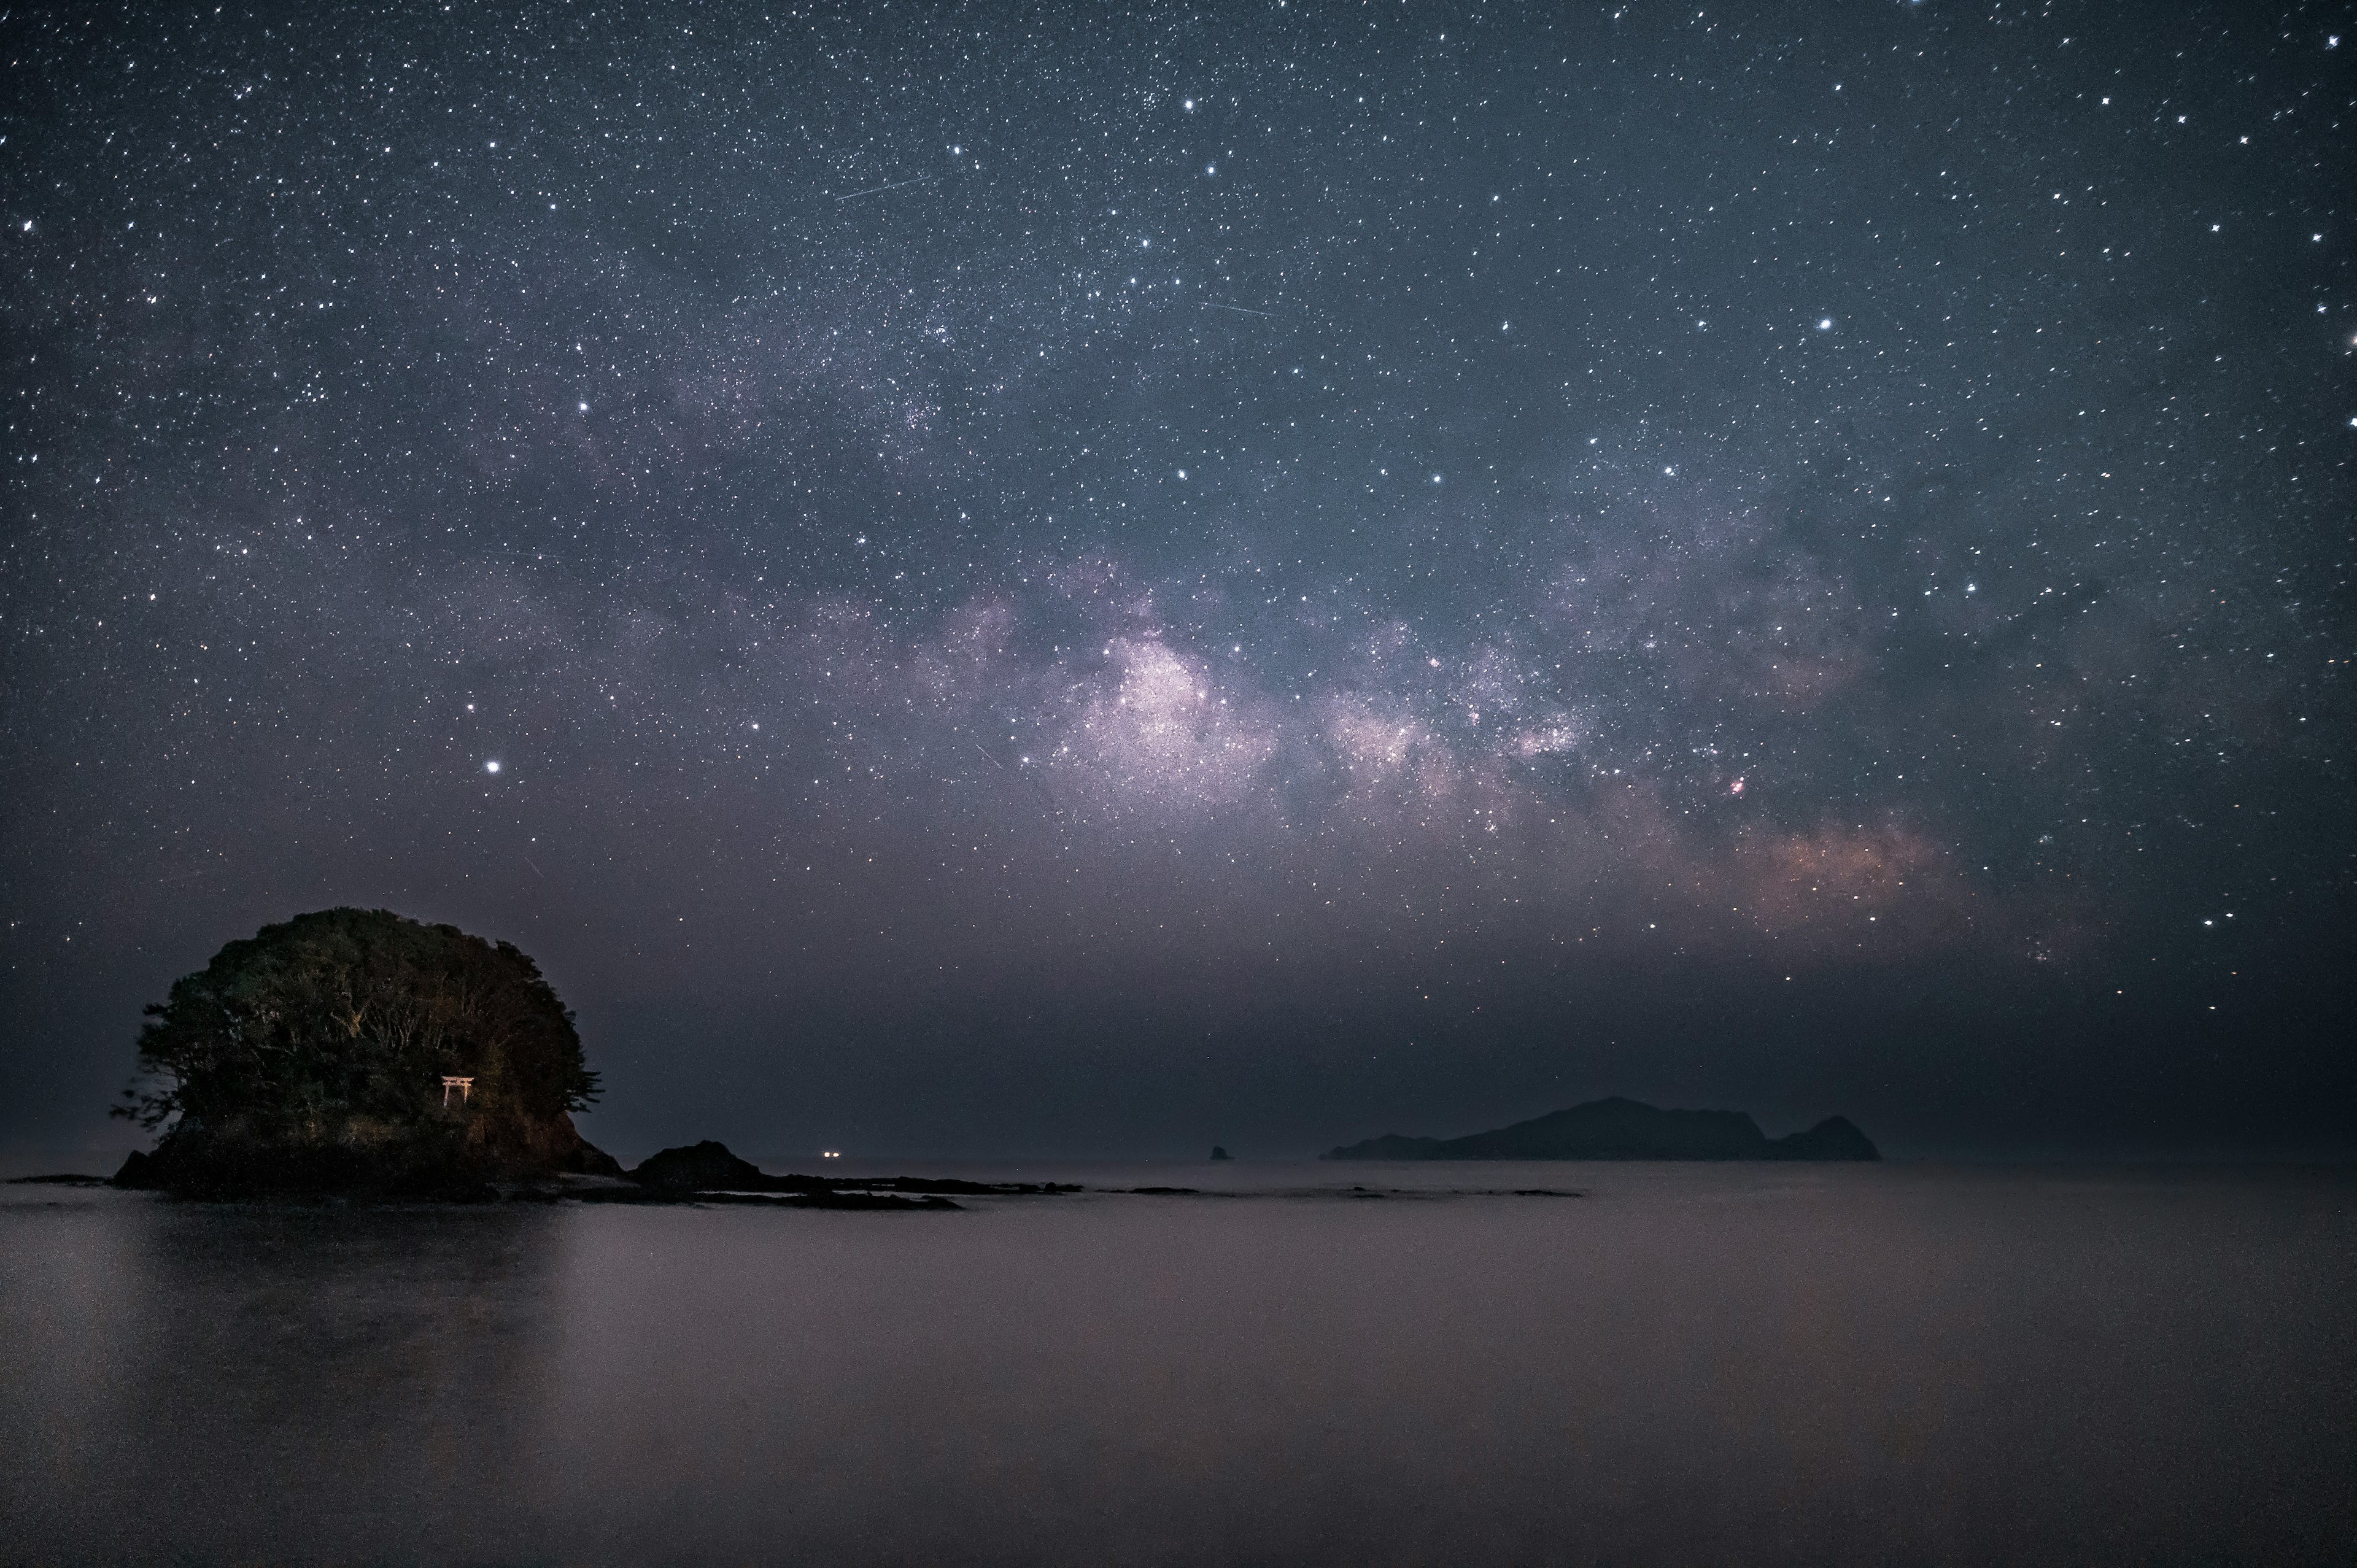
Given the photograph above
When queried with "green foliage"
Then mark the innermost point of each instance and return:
(340, 1025)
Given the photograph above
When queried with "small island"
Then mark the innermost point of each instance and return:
(1619, 1129)
(356, 1050)
(360, 1054)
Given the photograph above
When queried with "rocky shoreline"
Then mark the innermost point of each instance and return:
(705, 1175)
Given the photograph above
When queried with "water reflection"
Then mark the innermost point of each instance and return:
(223, 1381)
(1688, 1364)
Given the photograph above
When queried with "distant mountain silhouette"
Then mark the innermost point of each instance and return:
(1619, 1129)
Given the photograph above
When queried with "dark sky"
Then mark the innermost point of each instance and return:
(1094, 580)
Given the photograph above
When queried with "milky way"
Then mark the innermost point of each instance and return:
(1083, 580)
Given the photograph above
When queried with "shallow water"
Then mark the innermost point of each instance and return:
(1689, 1363)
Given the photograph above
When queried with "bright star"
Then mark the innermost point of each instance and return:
(492, 765)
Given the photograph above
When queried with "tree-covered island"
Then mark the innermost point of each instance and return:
(313, 1055)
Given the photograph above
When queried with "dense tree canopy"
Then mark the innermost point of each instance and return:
(339, 1026)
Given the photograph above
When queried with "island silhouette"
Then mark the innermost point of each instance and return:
(360, 1050)
(361, 1053)
(1620, 1128)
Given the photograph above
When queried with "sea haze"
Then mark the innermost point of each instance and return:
(1684, 1363)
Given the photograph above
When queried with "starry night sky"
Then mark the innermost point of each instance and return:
(1091, 580)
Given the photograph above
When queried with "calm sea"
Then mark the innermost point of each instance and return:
(1686, 1364)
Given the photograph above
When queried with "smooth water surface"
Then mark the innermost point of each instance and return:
(1687, 1363)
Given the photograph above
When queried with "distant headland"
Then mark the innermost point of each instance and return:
(1620, 1128)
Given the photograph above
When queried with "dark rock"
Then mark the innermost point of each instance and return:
(61, 1178)
(633, 1195)
(1220, 1153)
(433, 1165)
(949, 1184)
(707, 1167)
(883, 1201)
(709, 1173)
(1619, 1129)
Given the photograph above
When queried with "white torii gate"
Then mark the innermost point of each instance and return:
(465, 1086)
